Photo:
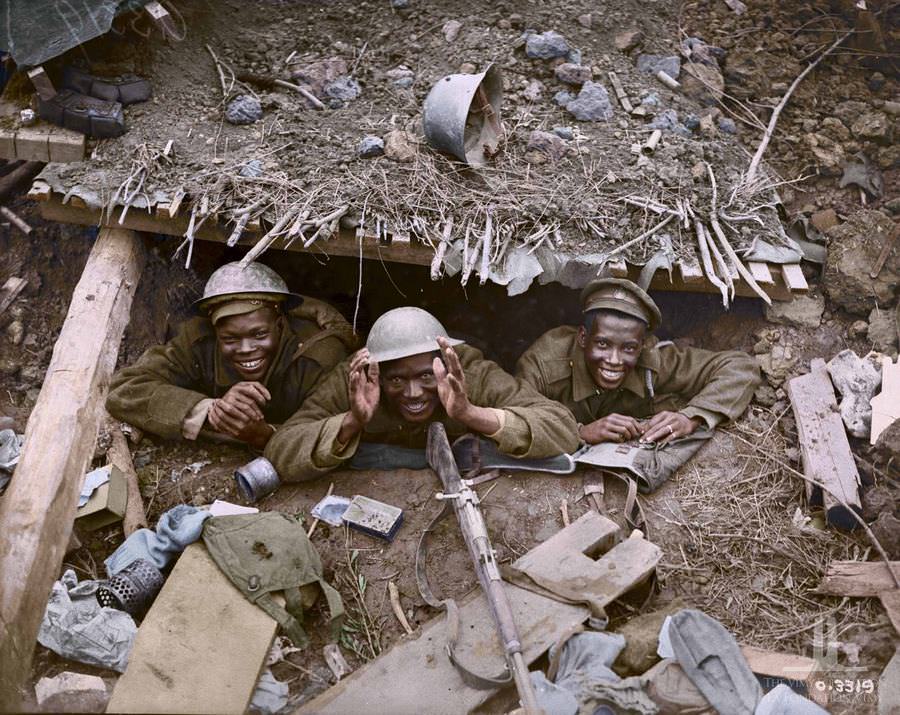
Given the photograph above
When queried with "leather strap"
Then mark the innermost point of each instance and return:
(473, 680)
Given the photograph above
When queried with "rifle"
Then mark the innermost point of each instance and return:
(471, 523)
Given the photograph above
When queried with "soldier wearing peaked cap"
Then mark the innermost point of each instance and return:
(246, 365)
(378, 404)
(623, 385)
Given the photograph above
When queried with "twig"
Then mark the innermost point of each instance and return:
(397, 608)
(638, 239)
(313, 99)
(441, 250)
(773, 120)
(707, 262)
(315, 523)
(486, 249)
(19, 223)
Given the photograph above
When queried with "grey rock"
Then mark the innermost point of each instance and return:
(543, 146)
(651, 100)
(668, 122)
(692, 122)
(9, 367)
(888, 443)
(629, 40)
(703, 83)
(727, 125)
(777, 364)
(399, 146)
(533, 91)
(399, 4)
(765, 395)
(857, 380)
(404, 82)
(572, 73)
(371, 146)
(586, 20)
(316, 75)
(882, 332)
(699, 51)
(546, 45)
(243, 109)
(344, 89)
(592, 104)
(874, 126)
(401, 76)
(566, 133)
(563, 98)
(252, 169)
(893, 205)
(451, 30)
(651, 64)
(574, 57)
(848, 112)
(804, 311)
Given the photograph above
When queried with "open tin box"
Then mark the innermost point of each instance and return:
(373, 517)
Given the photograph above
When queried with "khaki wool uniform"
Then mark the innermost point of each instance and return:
(169, 389)
(532, 426)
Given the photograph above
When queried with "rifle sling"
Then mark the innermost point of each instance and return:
(473, 680)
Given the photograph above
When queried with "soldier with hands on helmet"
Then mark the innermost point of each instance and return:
(379, 403)
(239, 370)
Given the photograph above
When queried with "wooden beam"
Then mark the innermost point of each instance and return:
(793, 277)
(760, 272)
(38, 509)
(858, 579)
(343, 244)
(16, 178)
(10, 291)
(827, 458)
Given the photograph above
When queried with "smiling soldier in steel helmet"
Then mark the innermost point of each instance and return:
(411, 373)
(244, 367)
(623, 385)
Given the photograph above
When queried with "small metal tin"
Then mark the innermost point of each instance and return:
(132, 589)
(256, 479)
(373, 517)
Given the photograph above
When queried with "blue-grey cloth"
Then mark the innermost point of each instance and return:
(781, 700)
(371, 455)
(176, 529)
(93, 480)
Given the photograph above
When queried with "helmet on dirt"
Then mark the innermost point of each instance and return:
(402, 332)
(232, 281)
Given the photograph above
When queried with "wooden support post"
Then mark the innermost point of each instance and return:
(38, 509)
(120, 456)
(42, 83)
(162, 18)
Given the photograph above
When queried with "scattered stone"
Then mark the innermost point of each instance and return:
(543, 146)
(777, 364)
(893, 205)
(668, 122)
(15, 331)
(848, 112)
(651, 64)
(400, 146)
(698, 51)
(882, 332)
(546, 45)
(72, 693)
(765, 395)
(886, 528)
(371, 146)
(628, 40)
(703, 83)
(888, 444)
(692, 123)
(401, 76)
(858, 329)
(592, 104)
(727, 125)
(804, 311)
(566, 133)
(824, 219)
(399, 4)
(243, 109)
(829, 154)
(876, 81)
(586, 20)
(451, 30)
(853, 248)
(563, 98)
(836, 129)
(467, 68)
(252, 169)
(573, 74)
(874, 126)
(316, 75)
(879, 498)
(857, 380)
(574, 57)
(534, 91)
(343, 89)
(642, 639)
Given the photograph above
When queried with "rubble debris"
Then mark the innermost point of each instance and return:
(856, 379)
(882, 330)
(315, 75)
(251, 169)
(401, 76)
(451, 29)
(864, 174)
(243, 109)
(827, 459)
(343, 89)
(335, 661)
(886, 404)
(72, 693)
(887, 444)
(545, 145)
(668, 80)
(703, 82)
(546, 45)
(777, 364)
(886, 529)
(77, 627)
(573, 74)
(370, 146)
(399, 145)
(533, 91)
(270, 696)
(586, 20)
(629, 40)
(653, 64)
(824, 220)
(92, 117)
(803, 311)
(592, 104)
(566, 133)
(853, 248)
(873, 126)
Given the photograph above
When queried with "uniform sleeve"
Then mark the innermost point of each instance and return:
(528, 369)
(535, 426)
(160, 390)
(306, 445)
(717, 386)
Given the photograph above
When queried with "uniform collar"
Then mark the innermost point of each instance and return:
(583, 385)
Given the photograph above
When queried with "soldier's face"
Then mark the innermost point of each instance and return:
(611, 348)
(248, 342)
(410, 387)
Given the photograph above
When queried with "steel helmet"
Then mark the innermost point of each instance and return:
(402, 332)
(256, 278)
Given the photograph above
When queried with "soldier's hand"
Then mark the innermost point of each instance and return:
(245, 400)
(256, 434)
(612, 428)
(451, 383)
(666, 426)
(364, 388)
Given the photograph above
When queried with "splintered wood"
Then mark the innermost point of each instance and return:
(827, 458)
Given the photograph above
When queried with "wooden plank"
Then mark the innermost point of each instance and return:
(343, 244)
(760, 272)
(66, 145)
(886, 404)
(701, 284)
(772, 668)
(891, 602)
(10, 291)
(7, 144)
(860, 579)
(41, 82)
(618, 268)
(39, 191)
(793, 277)
(417, 670)
(691, 273)
(38, 509)
(33, 143)
(823, 443)
(201, 647)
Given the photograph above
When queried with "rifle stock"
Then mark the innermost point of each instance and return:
(471, 523)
